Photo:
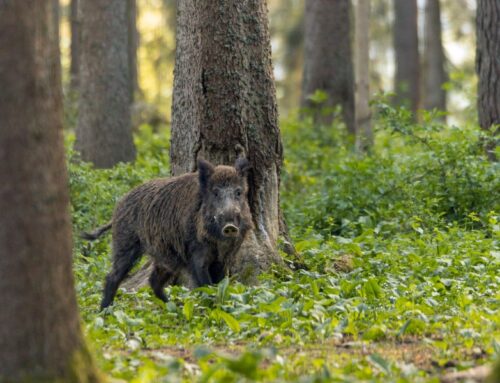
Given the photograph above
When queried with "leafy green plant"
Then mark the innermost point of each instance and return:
(402, 255)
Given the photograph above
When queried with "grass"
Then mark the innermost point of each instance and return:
(403, 278)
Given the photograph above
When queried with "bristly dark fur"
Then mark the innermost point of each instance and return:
(178, 222)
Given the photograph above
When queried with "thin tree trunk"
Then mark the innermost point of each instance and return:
(40, 337)
(225, 104)
(364, 134)
(434, 59)
(104, 131)
(133, 44)
(407, 80)
(75, 44)
(327, 56)
(488, 69)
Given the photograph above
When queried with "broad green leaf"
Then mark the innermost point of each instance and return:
(188, 310)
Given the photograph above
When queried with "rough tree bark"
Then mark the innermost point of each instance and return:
(407, 79)
(434, 70)
(364, 134)
(133, 44)
(56, 19)
(224, 103)
(104, 130)
(75, 44)
(327, 56)
(40, 337)
(488, 68)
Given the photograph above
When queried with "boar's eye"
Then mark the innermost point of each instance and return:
(237, 192)
(216, 192)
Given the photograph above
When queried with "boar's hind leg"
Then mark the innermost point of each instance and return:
(124, 260)
(157, 280)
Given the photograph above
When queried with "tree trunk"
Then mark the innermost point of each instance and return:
(56, 19)
(40, 338)
(407, 80)
(133, 44)
(104, 132)
(225, 105)
(434, 59)
(327, 56)
(488, 68)
(75, 44)
(364, 134)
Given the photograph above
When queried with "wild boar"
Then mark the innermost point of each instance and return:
(193, 222)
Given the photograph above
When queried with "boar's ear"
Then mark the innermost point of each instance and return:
(242, 166)
(205, 171)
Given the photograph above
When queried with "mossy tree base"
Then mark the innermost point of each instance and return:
(81, 369)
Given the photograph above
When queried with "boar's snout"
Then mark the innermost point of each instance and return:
(230, 223)
(230, 230)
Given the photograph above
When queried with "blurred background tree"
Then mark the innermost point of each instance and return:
(328, 64)
(434, 63)
(487, 67)
(106, 82)
(364, 133)
(406, 48)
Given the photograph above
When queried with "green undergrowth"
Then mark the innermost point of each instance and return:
(402, 278)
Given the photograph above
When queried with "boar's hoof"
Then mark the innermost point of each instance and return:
(230, 230)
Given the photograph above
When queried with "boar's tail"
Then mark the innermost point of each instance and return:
(97, 232)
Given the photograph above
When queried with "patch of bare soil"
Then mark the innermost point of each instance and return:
(410, 351)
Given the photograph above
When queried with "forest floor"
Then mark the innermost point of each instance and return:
(402, 281)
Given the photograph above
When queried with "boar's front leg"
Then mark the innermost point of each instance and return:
(217, 272)
(201, 259)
